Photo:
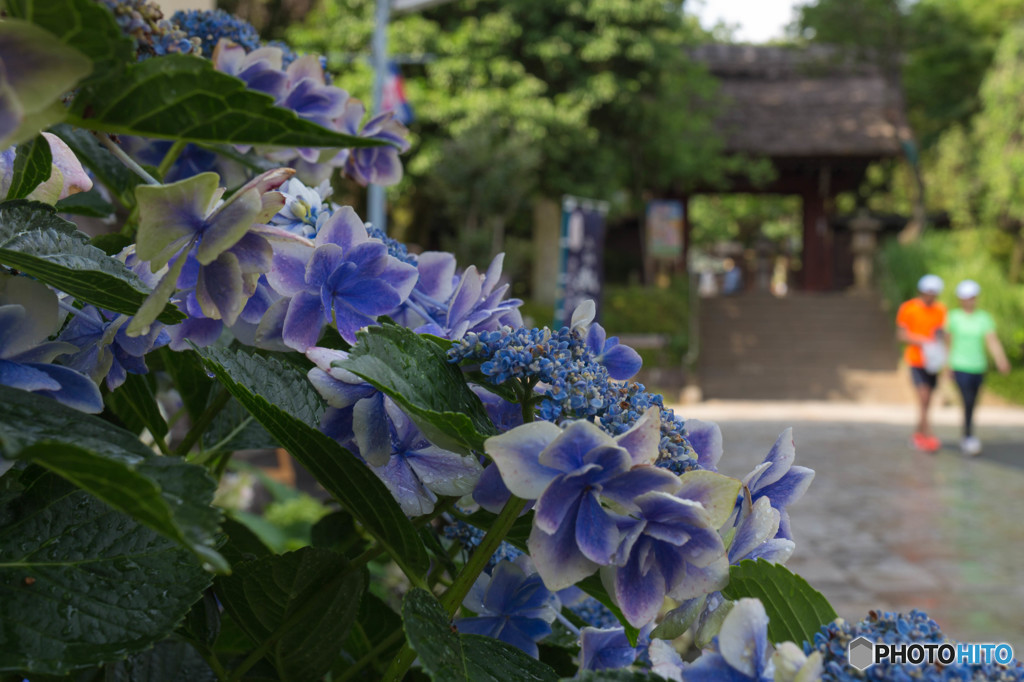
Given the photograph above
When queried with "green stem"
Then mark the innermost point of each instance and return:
(161, 443)
(385, 644)
(128, 161)
(170, 157)
(454, 595)
(211, 451)
(204, 421)
(396, 671)
(488, 546)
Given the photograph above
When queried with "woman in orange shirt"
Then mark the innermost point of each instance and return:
(919, 324)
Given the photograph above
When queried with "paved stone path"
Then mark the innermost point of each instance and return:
(885, 527)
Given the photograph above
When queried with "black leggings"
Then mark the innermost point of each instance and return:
(969, 385)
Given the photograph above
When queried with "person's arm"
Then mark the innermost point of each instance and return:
(998, 354)
(907, 336)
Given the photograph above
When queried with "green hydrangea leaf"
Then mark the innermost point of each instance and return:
(36, 241)
(37, 70)
(85, 25)
(298, 607)
(81, 583)
(415, 373)
(90, 204)
(182, 97)
(163, 493)
(449, 656)
(281, 399)
(33, 163)
(796, 611)
(114, 175)
(135, 402)
(168, 660)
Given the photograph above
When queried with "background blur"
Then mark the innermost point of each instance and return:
(814, 148)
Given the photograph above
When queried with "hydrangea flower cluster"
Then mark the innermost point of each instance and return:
(209, 26)
(616, 488)
(575, 380)
(154, 35)
(832, 643)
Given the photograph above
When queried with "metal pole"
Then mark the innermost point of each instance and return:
(375, 198)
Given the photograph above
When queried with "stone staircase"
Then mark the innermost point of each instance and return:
(831, 346)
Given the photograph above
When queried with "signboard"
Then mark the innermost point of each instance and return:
(665, 229)
(582, 264)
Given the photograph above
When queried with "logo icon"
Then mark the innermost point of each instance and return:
(861, 653)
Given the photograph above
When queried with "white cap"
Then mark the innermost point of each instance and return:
(930, 284)
(967, 289)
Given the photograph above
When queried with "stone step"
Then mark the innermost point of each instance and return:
(804, 347)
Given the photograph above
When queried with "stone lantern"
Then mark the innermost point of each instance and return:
(864, 245)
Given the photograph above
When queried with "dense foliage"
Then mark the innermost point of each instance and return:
(505, 502)
(520, 99)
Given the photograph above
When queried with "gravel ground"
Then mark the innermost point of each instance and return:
(886, 527)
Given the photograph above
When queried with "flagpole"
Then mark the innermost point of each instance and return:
(376, 209)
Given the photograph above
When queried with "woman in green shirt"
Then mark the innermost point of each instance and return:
(970, 332)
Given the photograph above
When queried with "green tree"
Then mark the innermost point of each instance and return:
(1000, 131)
(597, 99)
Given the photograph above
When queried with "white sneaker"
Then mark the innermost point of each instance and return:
(970, 446)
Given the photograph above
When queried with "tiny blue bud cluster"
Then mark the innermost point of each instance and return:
(212, 25)
(396, 249)
(469, 538)
(595, 614)
(833, 641)
(572, 383)
(153, 35)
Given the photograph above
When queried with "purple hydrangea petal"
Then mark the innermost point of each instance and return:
(287, 275)
(516, 455)
(706, 440)
(596, 532)
(444, 472)
(711, 667)
(759, 525)
(605, 649)
(412, 496)
(743, 639)
(781, 457)
(202, 331)
(343, 228)
(639, 593)
(371, 429)
(325, 261)
(76, 390)
(303, 322)
(490, 492)
(466, 295)
(559, 561)
(789, 488)
(560, 498)
(566, 452)
(349, 321)
(254, 253)
(700, 580)
(26, 377)
(643, 438)
(622, 362)
(220, 289)
(626, 487)
(436, 272)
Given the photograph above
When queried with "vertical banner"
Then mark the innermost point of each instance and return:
(582, 249)
(393, 95)
(665, 230)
